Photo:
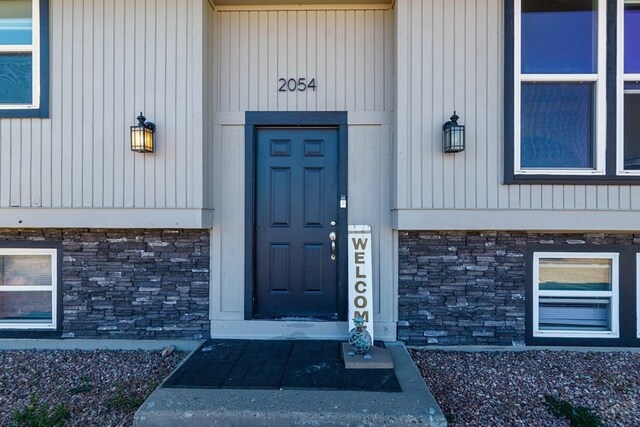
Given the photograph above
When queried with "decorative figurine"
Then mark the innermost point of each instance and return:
(360, 339)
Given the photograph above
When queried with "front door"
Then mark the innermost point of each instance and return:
(296, 212)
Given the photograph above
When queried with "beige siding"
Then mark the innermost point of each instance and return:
(111, 59)
(348, 52)
(442, 67)
(210, 74)
(369, 201)
(351, 55)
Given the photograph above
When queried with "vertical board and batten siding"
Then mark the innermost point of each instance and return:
(351, 55)
(450, 56)
(111, 59)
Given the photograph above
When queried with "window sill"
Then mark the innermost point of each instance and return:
(573, 335)
(573, 179)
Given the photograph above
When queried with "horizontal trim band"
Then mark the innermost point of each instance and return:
(514, 219)
(105, 218)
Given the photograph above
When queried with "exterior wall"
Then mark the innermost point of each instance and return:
(130, 284)
(109, 61)
(350, 53)
(442, 67)
(468, 288)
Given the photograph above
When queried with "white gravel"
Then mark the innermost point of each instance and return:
(97, 386)
(508, 388)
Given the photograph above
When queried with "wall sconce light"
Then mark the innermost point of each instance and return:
(453, 135)
(142, 136)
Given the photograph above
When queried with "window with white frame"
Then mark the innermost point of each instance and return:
(28, 289)
(628, 87)
(575, 93)
(575, 294)
(19, 54)
(560, 83)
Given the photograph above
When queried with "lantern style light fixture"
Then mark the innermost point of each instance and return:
(453, 135)
(142, 136)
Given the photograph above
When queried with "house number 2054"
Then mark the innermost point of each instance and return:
(300, 84)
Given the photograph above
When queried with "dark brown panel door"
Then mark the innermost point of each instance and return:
(296, 203)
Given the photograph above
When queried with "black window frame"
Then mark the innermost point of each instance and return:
(627, 297)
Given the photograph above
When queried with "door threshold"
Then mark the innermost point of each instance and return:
(268, 329)
(296, 319)
(283, 329)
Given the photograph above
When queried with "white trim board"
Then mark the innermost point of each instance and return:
(514, 219)
(105, 218)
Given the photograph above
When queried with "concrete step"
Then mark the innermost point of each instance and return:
(246, 407)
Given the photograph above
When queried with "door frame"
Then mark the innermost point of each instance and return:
(259, 119)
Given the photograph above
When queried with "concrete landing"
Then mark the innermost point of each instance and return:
(233, 407)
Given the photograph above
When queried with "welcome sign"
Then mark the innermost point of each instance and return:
(360, 276)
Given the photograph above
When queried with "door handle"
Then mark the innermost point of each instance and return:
(332, 237)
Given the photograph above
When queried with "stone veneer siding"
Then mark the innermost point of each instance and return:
(130, 283)
(468, 288)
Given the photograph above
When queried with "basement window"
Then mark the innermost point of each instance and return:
(575, 295)
(28, 289)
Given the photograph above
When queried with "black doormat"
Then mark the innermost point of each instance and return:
(274, 365)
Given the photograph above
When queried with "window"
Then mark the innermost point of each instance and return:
(559, 122)
(23, 58)
(629, 87)
(571, 94)
(575, 294)
(28, 289)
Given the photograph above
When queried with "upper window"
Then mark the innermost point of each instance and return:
(575, 294)
(629, 87)
(28, 289)
(23, 53)
(574, 95)
(560, 69)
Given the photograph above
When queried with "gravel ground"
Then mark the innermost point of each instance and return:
(508, 388)
(99, 387)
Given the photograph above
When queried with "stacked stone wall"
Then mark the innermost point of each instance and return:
(130, 283)
(468, 288)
